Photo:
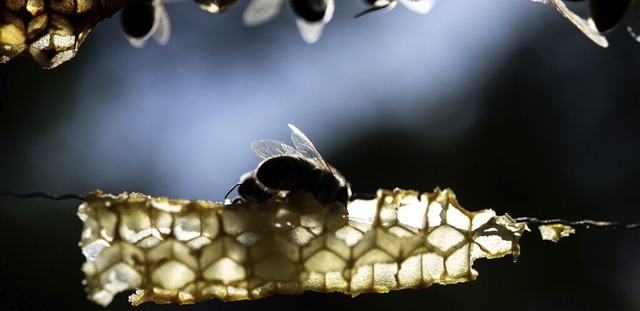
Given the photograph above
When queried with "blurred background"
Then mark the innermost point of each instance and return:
(505, 102)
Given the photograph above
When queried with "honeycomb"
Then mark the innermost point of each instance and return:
(182, 251)
(50, 31)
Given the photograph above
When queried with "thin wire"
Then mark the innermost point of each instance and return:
(29, 195)
(587, 223)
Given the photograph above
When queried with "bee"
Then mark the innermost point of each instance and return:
(287, 170)
(144, 19)
(604, 16)
(418, 6)
(311, 15)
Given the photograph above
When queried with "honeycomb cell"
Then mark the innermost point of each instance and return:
(410, 273)
(172, 250)
(412, 214)
(119, 277)
(223, 248)
(445, 238)
(12, 29)
(434, 212)
(135, 223)
(198, 242)
(457, 219)
(187, 226)
(275, 268)
(384, 277)
(210, 224)
(350, 235)
(377, 246)
(432, 267)
(234, 221)
(300, 236)
(361, 280)
(225, 270)
(92, 249)
(458, 264)
(325, 261)
(173, 275)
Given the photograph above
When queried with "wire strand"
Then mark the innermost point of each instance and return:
(29, 195)
(587, 223)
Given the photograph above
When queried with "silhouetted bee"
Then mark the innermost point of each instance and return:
(311, 15)
(287, 169)
(604, 15)
(418, 6)
(143, 19)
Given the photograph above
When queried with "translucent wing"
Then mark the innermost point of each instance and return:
(306, 148)
(419, 6)
(310, 32)
(586, 26)
(162, 30)
(632, 19)
(261, 11)
(272, 148)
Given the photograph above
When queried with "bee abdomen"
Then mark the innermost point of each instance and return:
(310, 10)
(137, 19)
(606, 14)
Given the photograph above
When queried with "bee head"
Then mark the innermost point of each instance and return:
(249, 189)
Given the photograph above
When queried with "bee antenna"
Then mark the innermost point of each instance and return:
(362, 196)
(29, 195)
(587, 223)
(232, 188)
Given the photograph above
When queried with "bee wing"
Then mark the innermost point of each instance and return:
(162, 30)
(306, 147)
(587, 27)
(267, 149)
(310, 32)
(419, 6)
(261, 11)
(632, 19)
